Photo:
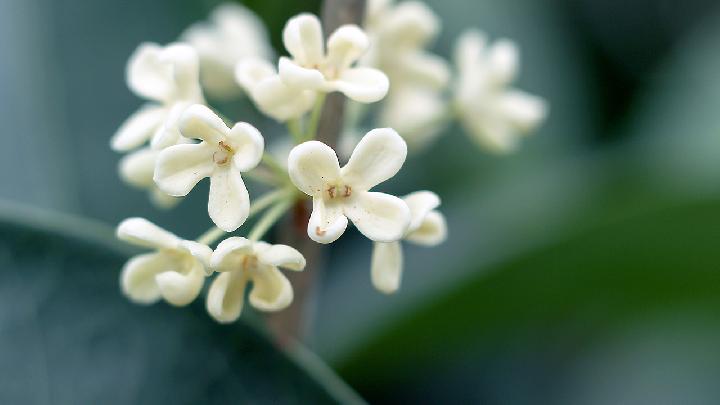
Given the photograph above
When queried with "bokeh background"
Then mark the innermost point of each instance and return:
(584, 269)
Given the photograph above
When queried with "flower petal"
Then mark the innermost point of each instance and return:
(200, 252)
(503, 61)
(200, 122)
(420, 204)
(180, 289)
(494, 133)
(432, 231)
(185, 65)
(416, 113)
(141, 232)
(303, 39)
(377, 157)
(327, 221)
(179, 168)
(280, 101)
(147, 76)
(469, 52)
(229, 201)
(248, 144)
(311, 165)
(226, 295)
(380, 217)
(345, 46)
(271, 290)
(362, 84)
(299, 77)
(281, 256)
(138, 128)
(168, 133)
(524, 110)
(137, 168)
(250, 72)
(229, 254)
(162, 200)
(386, 267)
(137, 279)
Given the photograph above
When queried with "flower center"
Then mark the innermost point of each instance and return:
(337, 191)
(249, 263)
(223, 154)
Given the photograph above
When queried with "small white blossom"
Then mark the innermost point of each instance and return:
(313, 68)
(168, 78)
(222, 155)
(399, 34)
(339, 194)
(232, 34)
(493, 113)
(239, 261)
(175, 271)
(269, 93)
(137, 168)
(417, 113)
(427, 228)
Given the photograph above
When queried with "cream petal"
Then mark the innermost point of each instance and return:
(503, 61)
(420, 204)
(281, 256)
(380, 217)
(271, 290)
(416, 113)
(138, 128)
(362, 84)
(199, 251)
(494, 134)
(200, 122)
(281, 102)
(425, 69)
(137, 168)
(147, 76)
(345, 46)
(141, 232)
(386, 267)
(411, 24)
(226, 295)
(523, 110)
(311, 165)
(327, 221)
(230, 253)
(377, 157)
(180, 289)
(432, 231)
(469, 52)
(229, 201)
(168, 133)
(250, 72)
(303, 39)
(137, 279)
(179, 168)
(185, 66)
(248, 144)
(299, 77)
(162, 200)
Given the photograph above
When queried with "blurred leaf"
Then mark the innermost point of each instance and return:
(68, 336)
(618, 272)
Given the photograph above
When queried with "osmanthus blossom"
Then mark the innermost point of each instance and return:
(241, 261)
(175, 271)
(312, 67)
(495, 114)
(222, 155)
(269, 93)
(400, 34)
(137, 168)
(418, 113)
(168, 78)
(427, 228)
(231, 35)
(342, 193)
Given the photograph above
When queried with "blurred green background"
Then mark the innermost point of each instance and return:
(585, 269)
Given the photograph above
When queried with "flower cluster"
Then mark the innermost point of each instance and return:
(176, 140)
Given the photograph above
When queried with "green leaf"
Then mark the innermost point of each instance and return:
(67, 335)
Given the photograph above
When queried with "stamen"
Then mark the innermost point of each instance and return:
(319, 232)
(348, 191)
(331, 191)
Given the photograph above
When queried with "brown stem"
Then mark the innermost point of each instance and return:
(293, 323)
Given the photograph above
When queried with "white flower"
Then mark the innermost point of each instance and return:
(495, 114)
(175, 271)
(168, 77)
(137, 168)
(240, 261)
(271, 95)
(417, 113)
(427, 228)
(312, 68)
(339, 194)
(232, 34)
(400, 33)
(222, 155)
